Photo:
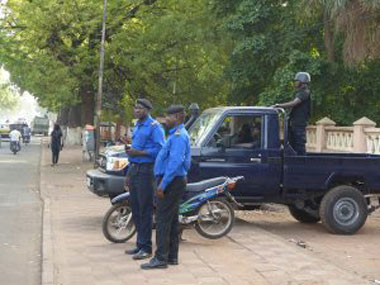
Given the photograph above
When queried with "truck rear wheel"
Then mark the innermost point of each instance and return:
(343, 210)
(303, 216)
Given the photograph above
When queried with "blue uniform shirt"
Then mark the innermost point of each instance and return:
(174, 158)
(148, 136)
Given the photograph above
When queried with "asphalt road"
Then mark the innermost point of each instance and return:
(20, 215)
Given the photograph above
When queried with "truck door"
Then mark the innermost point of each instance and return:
(238, 146)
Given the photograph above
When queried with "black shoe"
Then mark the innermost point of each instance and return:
(142, 254)
(154, 263)
(132, 251)
(173, 261)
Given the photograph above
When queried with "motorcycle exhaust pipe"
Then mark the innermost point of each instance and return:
(187, 219)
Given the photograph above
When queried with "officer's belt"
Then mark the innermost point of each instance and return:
(141, 163)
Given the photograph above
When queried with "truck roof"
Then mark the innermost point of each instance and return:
(223, 109)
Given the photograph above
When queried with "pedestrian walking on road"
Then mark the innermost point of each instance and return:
(56, 143)
(170, 170)
(300, 113)
(147, 140)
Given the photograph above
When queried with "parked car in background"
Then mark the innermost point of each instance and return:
(4, 131)
(17, 126)
(108, 178)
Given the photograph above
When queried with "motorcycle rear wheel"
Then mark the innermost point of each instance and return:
(118, 226)
(216, 219)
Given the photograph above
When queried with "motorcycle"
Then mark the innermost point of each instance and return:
(15, 147)
(26, 139)
(206, 206)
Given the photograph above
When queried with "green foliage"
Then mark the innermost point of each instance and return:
(9, 98)
(213, 52)
(171, 53)
(273, 41)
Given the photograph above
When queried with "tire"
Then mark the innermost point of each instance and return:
(343, 210)
(303, 216)
(202, 225)
(117, 218)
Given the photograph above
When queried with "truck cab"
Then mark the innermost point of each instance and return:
(239, 141)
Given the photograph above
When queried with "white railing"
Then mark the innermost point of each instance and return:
(339, 139)
(311, 137)
(373, 140)
(362, 137)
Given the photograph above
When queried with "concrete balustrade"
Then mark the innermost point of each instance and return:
(361, 137)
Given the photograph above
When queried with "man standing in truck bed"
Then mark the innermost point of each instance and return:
(300, 113)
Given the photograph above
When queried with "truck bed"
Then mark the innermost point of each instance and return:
(321, 170)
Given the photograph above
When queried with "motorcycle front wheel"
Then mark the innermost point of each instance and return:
(118, 226)
(215, 219)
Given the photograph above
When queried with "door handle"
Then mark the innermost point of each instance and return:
(255, 159)
(215, 160)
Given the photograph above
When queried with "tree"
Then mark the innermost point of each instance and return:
(266, 35)
(157, 49)
(272, 42)
(357, 21)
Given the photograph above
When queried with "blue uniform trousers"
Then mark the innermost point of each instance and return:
(141, 189)
(167, 235)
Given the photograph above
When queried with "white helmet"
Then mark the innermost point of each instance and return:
(303, 77)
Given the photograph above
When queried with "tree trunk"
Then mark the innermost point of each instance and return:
(88, 105)
(328, 37)
(118, 130)
(74, 119)
(63, 116)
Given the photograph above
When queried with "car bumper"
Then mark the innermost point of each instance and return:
(103, 184)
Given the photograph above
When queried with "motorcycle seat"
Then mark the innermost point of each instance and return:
(205, 184)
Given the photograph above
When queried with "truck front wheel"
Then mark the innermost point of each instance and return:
(343, 210)
(302, 216)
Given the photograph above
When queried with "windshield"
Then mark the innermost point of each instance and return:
(202, 126)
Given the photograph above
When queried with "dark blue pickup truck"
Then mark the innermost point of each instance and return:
(339, 189)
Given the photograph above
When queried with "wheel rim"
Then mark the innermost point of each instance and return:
(120, 224)
(346, 211)
(214, 218)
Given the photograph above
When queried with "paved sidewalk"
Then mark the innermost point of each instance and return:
(75, 251)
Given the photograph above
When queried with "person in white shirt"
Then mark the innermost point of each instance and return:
(15, 137)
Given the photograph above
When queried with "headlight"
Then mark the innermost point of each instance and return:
(116, 163)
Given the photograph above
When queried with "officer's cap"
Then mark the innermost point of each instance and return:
(145, 103)
(175, 109)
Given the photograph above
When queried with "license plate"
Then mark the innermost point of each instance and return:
(88, 181)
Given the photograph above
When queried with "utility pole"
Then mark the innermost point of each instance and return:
(98, 106)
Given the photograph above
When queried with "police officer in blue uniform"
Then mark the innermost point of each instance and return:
(170, 170)
(147, 140)
(300, 112)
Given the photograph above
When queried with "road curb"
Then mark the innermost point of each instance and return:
(47, 272)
